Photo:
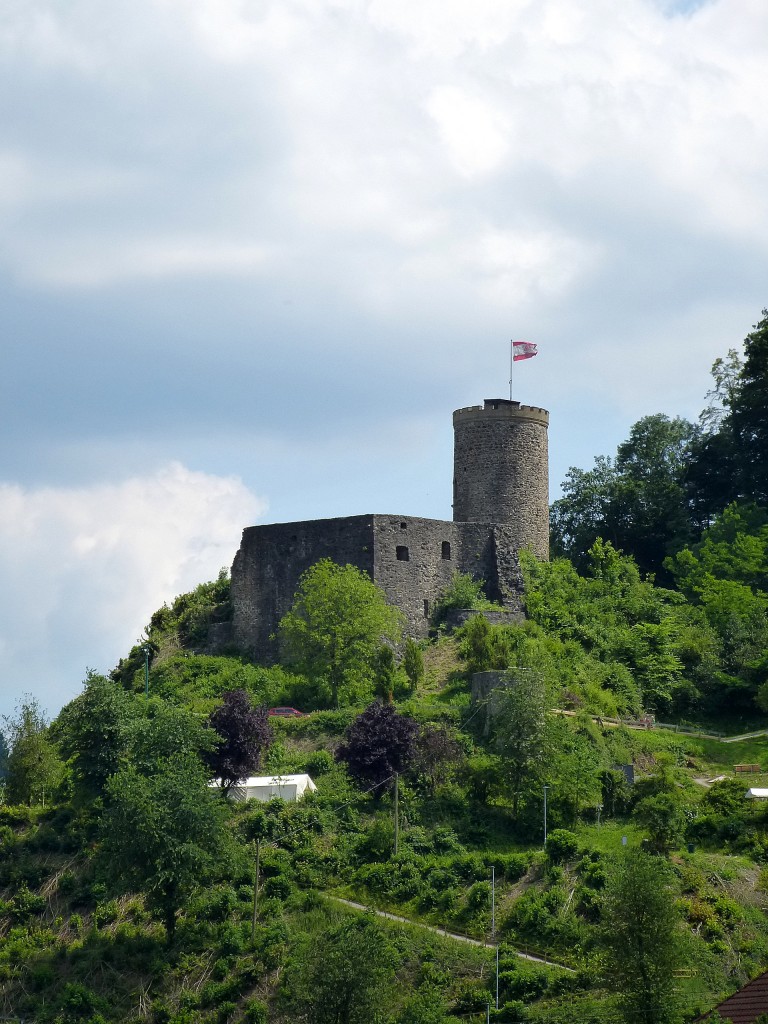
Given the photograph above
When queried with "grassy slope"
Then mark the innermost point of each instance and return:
(74, 934)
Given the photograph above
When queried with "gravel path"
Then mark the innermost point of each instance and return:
(446, 934)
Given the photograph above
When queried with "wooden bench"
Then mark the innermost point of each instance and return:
(751, 768)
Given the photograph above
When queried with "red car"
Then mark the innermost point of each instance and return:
(286, 712)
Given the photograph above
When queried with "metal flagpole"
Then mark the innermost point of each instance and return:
(511, 364)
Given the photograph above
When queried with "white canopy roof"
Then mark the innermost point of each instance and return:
(267, 787)
(757, 794)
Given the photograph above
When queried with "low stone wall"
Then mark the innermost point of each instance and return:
(456, 617)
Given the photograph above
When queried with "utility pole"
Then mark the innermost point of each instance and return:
(493, 903)
(397, 817)
(497, 977)
(545, 815)
(146, 670)
(256, 891)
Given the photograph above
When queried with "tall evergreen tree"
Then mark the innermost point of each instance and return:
(641, 938)
(750, 415)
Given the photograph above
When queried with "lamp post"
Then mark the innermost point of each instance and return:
(546, 788)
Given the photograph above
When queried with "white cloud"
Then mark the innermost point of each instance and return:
(84, 568)
(87, 263)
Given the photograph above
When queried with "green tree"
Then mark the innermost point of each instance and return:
(638, 501)
(33, 766)
(664, 817)
(726, 574)
(519, 720)
(163, 834)
(335, 629)
(349, 978)
(463, 592)
(94, 731)
(749, 414)
(385, 673)
(165, 731)
(475, 644)
(413, 664)
(641, 937)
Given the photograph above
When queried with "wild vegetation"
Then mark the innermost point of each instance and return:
(547, 817)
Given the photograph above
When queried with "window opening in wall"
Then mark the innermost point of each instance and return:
(403, 526)
(426, 608)
(401, 552)
(446, 550)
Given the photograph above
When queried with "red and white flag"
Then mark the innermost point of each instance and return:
(523, 350)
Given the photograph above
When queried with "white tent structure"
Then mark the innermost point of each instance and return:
(271, 787)
(757, 794)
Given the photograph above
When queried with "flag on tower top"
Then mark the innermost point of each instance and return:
(523, 350)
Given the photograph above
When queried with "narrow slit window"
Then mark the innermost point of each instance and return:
(401, 552)
(446, 549)
(426, 608)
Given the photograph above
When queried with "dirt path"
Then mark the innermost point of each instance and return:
(615, 724)
(446, 934)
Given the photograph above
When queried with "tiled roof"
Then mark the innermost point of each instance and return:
(746, 1005)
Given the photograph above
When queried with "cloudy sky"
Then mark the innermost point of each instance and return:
(254, 252)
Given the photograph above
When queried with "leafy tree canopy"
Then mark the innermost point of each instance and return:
(244, 737)
(379, 743)
(335, 629)
(349, 978)
(163, 833)
(641, 937)
(637, 501)
(94, 731)
(463, 592)
(726, 574)
(32, 764)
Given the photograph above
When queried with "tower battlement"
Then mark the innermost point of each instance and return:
(501, 470)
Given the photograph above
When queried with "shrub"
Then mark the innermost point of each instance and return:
(15, 814)
(67, 883)
(562, 845)
(255, 1011)
(320, 762)
(279, 888)
(78, 1002)
(26, 904)
(106, 913)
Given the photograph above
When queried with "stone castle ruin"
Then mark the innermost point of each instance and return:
(500, 505)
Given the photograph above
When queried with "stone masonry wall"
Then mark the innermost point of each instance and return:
(501, 470)
(500, 506)
(414, 560)
(269, 563)
(411, 559)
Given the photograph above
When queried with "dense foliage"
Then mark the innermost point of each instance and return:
(335, 629)
(244, 736)
(130, 891)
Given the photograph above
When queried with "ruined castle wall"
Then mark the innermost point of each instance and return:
(484, 553)
(414, 560)
(270, 562)
(501, 472)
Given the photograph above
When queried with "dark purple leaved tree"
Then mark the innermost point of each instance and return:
(379, 743)
(245, 736)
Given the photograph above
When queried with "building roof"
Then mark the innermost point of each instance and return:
(757, 794)
(746, 1005)
(302, 781)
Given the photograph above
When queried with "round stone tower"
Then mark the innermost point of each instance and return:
(501, 470)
